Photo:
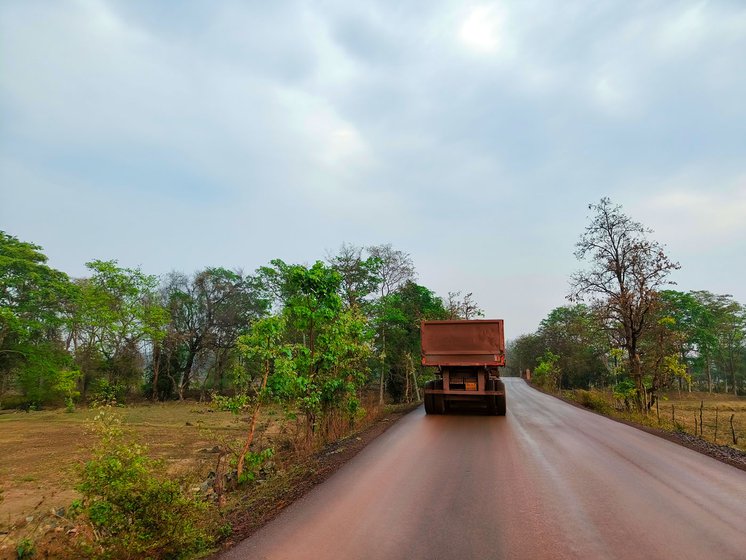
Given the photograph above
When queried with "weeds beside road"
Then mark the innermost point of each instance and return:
(42, 452)
(711, 423)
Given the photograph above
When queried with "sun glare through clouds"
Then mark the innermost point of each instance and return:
(481, 31)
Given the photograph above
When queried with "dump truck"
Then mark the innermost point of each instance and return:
(467, 354)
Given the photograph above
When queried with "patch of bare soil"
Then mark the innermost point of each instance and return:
(269, 499)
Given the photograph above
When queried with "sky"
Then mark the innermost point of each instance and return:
(473, 136)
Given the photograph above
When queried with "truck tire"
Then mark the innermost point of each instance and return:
(491, 399)
(439, 401)
(500, 401)
(428, 398)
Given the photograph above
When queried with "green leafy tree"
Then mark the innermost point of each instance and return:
(115, 314)
(399, 315)
(548, 372)
(575, 334)
(358, 276)
(32, 300)
(264, 345)
(330, 344)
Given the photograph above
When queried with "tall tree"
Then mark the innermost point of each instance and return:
(359, 276)
(399, 315)
(209, 311)
(625, 272)
(395, 268)
(33, 297)
(32, 293)
(330, 344)
(115, 314)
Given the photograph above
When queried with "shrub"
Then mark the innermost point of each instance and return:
(106, 393)
(593, 400)
(25, 549)
(134, 512)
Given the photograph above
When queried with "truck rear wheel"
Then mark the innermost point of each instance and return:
(491, 400)
(428, 398)
(500, 403)
(434, 404)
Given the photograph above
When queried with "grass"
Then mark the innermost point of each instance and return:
(680, 412)
(41, 452)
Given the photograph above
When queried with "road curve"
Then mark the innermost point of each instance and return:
(547, 481)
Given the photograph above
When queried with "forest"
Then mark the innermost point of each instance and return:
(626, 330)
(311, 336)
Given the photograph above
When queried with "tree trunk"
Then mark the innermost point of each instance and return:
(252, 425)
(383, 368)
(414, 379)
(636, 372)
(156, 367)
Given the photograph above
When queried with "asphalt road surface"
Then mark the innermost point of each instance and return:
(547, 481)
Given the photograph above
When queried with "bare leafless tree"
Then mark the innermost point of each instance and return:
(395, 268)
(625, 271)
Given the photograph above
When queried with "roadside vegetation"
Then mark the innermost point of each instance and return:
(138, 412)
(629, 346)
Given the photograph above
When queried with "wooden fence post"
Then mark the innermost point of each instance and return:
(733, 430)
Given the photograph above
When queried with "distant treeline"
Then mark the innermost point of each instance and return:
(328, 331)
(634, 336)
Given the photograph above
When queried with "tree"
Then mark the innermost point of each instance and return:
(575, 336)
(115, 313)
(330, 344)
(548, 372)
(625, 271)
(399, 315)
(359, 276)
(31, 293)
(465, 308)
(264, 344)
(711, 331)
(33, 297)
(394, 268)
(208, 311)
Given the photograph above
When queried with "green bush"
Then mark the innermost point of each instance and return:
(25, 549)
(106, 393)
(135, 511)
(593, 400)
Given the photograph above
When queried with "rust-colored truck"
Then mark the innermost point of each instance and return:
(467, 355)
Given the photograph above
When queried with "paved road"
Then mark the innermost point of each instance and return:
(547, 481)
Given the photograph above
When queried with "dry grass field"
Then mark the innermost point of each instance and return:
(705, 415)
(40, 451)
(716, 410)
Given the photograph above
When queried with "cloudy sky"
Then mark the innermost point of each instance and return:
(178, 135)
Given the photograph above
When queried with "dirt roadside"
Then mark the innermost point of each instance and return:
(723, 453)
(268, 500)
